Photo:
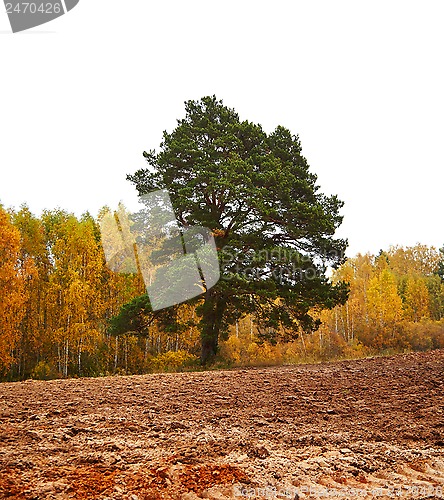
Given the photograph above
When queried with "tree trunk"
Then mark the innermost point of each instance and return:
(66, 361)
(79, 357)
(213, 311)
(59, 359)
(116, 353)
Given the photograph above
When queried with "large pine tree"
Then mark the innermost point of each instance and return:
(274, 230)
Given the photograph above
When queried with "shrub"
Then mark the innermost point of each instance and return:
(44, 371)
(172, 361)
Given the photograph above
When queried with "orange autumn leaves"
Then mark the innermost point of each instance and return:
(12, 296)
(56, 293)
(389, 295)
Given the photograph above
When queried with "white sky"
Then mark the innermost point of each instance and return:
(361, 83)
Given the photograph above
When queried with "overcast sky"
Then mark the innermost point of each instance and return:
(360, 82)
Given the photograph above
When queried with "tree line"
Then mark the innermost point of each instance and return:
(64, 313)
(56, 296)
(396, 300)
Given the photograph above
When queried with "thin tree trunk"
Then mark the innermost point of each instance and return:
(65, 368)
(352, 327)
(367, 321)
(79, 359)
(59, 359)
(303, 345)
(343, 326)
(348, 321)
(336, 320)
(116, 353)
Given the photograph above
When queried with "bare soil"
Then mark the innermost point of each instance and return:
(370, 427)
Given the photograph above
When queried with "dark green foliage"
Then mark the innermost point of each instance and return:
(136, 316)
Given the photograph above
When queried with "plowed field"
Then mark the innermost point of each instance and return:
(372, 427)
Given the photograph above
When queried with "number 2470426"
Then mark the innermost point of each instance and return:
(33, 8)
